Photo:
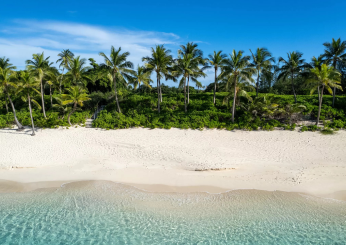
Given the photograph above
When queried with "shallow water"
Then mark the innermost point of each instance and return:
(110, 213)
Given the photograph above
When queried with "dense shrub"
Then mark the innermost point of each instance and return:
(52, 120)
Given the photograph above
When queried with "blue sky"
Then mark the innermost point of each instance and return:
(87, 27)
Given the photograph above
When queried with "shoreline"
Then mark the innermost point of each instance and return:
(18, 187)
(178, 160)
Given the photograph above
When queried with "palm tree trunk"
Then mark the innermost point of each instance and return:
(257, 84)
(61, 80)
(19, 125)
(234, 98)
(319, 106)
(158, 92)
(50, 93)
(188, 90)
(73, 110)
(334, 90)
(32, 120)
(6, 104)
(116, 93)
(215, 86)
(294, 92)
(185, 94)
(42, 98)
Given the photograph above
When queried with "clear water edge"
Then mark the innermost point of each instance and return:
(100, 212)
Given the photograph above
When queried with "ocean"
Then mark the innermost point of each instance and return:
(102, 212)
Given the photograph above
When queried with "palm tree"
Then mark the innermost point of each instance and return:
(261, 60)
(141, 76)
(77, 72)
(237, 67)
(76, 96)
(160, 62)
(39, 67)
(293, 65)
(28, 85)
(7, 80)
(54, 80)
(65, 58)
(335, 52)
(117, 65)
(242, 87)
(217, 60)
(197, 54)
(324, 77)
(185, 66)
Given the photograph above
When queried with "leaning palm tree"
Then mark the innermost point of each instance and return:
(236, 67)
(334, 53)
(65, 58)
(141, 76)
(39, 67)
(159, 62)
(76, 96)
(262, 60)
(118, 65)
(28, 86)
(292, 66)
(217, 60)
(8, 80)
(324, 77)
(77, 72)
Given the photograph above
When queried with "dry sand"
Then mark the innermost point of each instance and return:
(167, 160)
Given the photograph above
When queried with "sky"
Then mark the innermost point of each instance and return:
(89, 27)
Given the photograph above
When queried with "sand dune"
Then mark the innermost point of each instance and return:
(209, 160)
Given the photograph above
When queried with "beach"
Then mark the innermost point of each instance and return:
(176, 160)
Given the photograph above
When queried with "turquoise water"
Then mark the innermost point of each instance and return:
(110, 213)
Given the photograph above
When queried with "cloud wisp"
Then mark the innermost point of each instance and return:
(24, 38)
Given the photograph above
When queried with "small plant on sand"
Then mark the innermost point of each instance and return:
(327, 131)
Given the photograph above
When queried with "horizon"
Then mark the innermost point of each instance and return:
(89, 28)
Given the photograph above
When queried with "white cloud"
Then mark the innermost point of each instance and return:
(28, 37)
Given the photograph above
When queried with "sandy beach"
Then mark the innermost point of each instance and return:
(176, 160)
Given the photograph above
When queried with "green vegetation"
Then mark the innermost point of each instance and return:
(285, 93)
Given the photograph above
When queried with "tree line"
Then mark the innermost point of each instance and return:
(236, 73)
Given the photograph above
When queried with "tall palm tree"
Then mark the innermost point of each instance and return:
(39, 67)
(292, 66)
(54, 81)
(77, 71)
(261, 60)
(4, 64)
(159, 62)
(28, 85)
(324, 77)
(237, 66)
(141, 76)
(242, 88)
(118, 66)
(217, 60)
(197, 54)
(76, 96)
(186, 65)
(65, 58)
(334, 53)
(7, 80)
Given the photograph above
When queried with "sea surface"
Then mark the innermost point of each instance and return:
(97, 212)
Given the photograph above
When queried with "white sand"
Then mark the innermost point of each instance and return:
(155, 159)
